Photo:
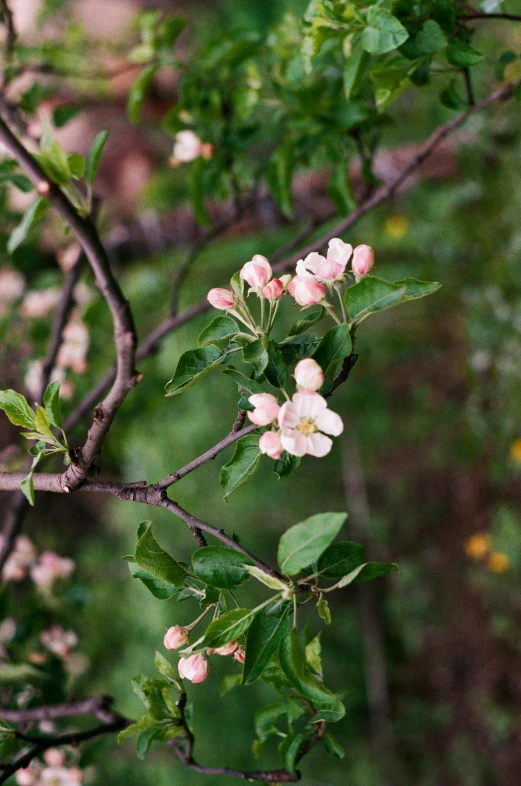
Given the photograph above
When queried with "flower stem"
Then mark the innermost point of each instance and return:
(341, 299)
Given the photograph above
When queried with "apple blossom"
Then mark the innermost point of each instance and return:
(74, 349)
(12, 285)
(50, 567)
(274, 289)
(307, 291)
(40, 303)
(227, 649)
(54, 757)
(59, 776)
(270, 444)
(363, 260)
(308, 375)
(266, 409)
(240, 655)
(26, 776)
(256, 272)
(176, 637)
(286, 280)
(58, 641)
(339, 251)
(18, 562)
(195, 668)
(221, 298)
(302, 420)
(187, 146)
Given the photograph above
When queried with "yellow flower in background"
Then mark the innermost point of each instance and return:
(498, 562)
(515, 450)
(477, 546)
(396, 226)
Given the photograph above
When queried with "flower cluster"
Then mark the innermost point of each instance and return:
(196, 667)
(55, 771)
(299, 426)
(43, 570)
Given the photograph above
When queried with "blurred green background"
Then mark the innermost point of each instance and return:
(428, 468)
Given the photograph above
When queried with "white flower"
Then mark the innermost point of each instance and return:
(302, 420)
(58, 640)
(40, 303)
(74, 349)
(60, 776)
(12, 285)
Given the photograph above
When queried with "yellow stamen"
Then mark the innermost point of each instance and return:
(307, 426)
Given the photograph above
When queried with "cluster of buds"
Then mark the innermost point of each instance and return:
(259, 275)
(188, 147)
(43, 570)
(59, 641)
(299, 426)
(195, 668)
(54, 771)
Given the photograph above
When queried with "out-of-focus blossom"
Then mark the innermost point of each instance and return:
(256, 272)
(26, 776)
(477, 546)
(12, 286)
(59, 776)
(515, 450)
(7, 630)
(33, 380)
(188, 147)
(73, 351)
(49, 568)
(20, 559)
(498, 562)
(195, 668)
(308, 375)
(270, 445)
(304, 421)
(396, 226)
(54, 757)
(266, 409)
(40, 303)
(58, 641)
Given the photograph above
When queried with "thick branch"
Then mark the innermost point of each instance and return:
(124, 330)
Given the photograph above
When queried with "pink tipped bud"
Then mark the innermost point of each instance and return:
(54, 757)
(176, 637)
(309, 375)
(227, 649)
(270, 444)
(266, 409)
(363, 260)
(257, 272)
(274, 289)
(240, 655)
(195, 668)
(221, 298)
(307, 291)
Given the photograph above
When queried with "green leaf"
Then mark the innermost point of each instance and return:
(256, 354)
(161, 590)
(505, 59)
(267, 718)
(64, 114)
(267, 579)
(374, 294)
(34, 213)
(229, 682)
(251, 386)
(242, 465)
(220, 566)
(298, 672)
(384, 32)
(145, 740)
(340, 558)
(198, 193)
(43, 425)
(339, 189)
(138, 91)
(51, 400)
(333, 747)
(286, 464)
(335, 345)
(192, 366)
(453, 96)
(305, 542)
(298, 347)
(146, 722)
(220, 328)
(289, 749)
(76, 165)
(310, 318)
(228, 627)
(53, 157)
(155, 560)
(314, 655)
(280, 173)
(264, 636)
(388, 83)
(462, 55)
(17, 409)
(430, 39)
(375, 570)
(27, 488)
(94, 156)
(275, 371)
(165, 668)
(354, 69)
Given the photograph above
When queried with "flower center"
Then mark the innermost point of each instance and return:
(307, 426)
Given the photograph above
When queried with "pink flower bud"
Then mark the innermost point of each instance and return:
(221, 298)
(307, 291)
(363, 260)
(227, 649)
(176, 637)
(309, 375)
(330, 270)
(26, 776)
(270, 444)
(195, 668)
(54, 757)
(257, 272)
(75, 774)
(266, 409)
(187, 146)
(274, 289)
(339, 251)
(240, 655)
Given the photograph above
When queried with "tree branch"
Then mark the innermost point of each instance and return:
(97, 706)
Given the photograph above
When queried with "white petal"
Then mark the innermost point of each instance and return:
(288, 415)
(294, 442)
(339, 251)
(308, 404)
(329, 422)
(318, 445)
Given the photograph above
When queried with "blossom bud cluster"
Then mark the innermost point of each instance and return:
(44, 570)
(195, 668)
(54, 771)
